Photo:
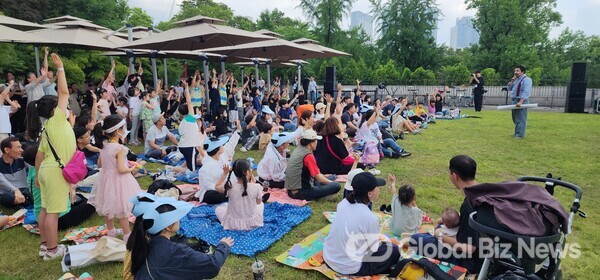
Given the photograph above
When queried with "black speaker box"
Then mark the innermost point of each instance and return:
(578, 70)
(330, 83)
(576, 90)
(575, 105)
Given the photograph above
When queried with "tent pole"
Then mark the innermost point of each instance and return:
(166, 72)
(256, 62)
(222, 59)
(204, 60)
(154, 70)
(242, 80)
(37, 60)
(299, 83)
(130, 39)
(268, 64)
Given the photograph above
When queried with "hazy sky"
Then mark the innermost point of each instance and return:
(577, 14)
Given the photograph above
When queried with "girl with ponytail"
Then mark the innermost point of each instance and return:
(116, 184)
(245, 208)
(152, 255)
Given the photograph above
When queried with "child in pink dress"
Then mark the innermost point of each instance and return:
(116, 185)
(245, 208)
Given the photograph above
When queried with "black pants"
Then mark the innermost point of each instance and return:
(214, 197)
(80, 211)
(189, 153)
(373, 264)
(272, 184)
(8, 198)
(478, 99)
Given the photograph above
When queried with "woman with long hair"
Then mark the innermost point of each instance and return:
(333, 157)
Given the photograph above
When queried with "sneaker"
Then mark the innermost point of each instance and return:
(416, 131)
(405, 154)
(243, 149)
(43, 250)
(59, 252)
(375, 172)
(114, 232)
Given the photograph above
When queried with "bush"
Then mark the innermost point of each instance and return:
(492, 78)
(456, 75)
(423, 77)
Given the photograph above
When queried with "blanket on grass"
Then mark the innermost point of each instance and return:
(281, 196)
(165, 161)
(308, 255)
(279, 219)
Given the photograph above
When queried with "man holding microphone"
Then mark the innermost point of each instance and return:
(520, 89)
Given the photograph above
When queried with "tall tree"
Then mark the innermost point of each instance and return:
(139, 17)
(270, 20)
(512, 31)
(406, 28)
(208, 8)
(326, 16)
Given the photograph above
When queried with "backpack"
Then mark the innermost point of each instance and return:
(370, 154)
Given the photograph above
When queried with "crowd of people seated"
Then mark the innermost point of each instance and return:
(307, 142)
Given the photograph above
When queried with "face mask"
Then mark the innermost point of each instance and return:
(124, 135)
(270, 121)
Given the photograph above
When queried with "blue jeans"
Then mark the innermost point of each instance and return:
(92, 161)
(312, 96)
(519, 117)
(388, 144)
(383, 124)
(289, 126)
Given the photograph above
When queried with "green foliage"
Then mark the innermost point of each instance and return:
(242, 23)
(73, 72)
(512, 31)
(423, 77)
(139, 17)
(386, 73)
(207, 8)
(535, 74)
(326, 16)
(455, 75)
(405, 76)
(492, 78)
(406, 31)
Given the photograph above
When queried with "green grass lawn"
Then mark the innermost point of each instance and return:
(566, 145)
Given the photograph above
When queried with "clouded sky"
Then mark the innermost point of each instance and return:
(577, 14)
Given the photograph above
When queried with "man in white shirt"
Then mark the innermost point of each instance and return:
(135, 108)
(156, 138)
(312, 90)
(271, 169)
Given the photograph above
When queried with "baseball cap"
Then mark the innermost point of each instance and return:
(156, 118)
(320, 106)
(310, 134)
(211, 144)
(365, 182)
(351, 174)
(267, 110)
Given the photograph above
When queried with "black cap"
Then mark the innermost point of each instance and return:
(365, 182)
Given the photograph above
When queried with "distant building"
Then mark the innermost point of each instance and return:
(365, 21)
(463, 34)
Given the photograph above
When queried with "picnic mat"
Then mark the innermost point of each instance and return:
(85, 235)
(384, 226)
(166, 162)
(308, 255)
(281, 196)
(279, 219)
(15, 219)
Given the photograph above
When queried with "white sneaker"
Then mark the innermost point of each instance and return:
(114, 232)
(375, 171)
(243, 149)
(60, 251)
(43, 250)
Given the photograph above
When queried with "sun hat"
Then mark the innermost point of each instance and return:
(160, 220)
(279, 139)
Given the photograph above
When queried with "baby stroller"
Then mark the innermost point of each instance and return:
(517, 263)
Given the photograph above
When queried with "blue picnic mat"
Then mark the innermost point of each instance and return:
(279, 219)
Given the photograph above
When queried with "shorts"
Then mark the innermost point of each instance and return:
(233, 116)
(54, 190)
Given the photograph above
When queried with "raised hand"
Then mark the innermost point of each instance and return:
(227, 240)
(391, 178)
(57, 61)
